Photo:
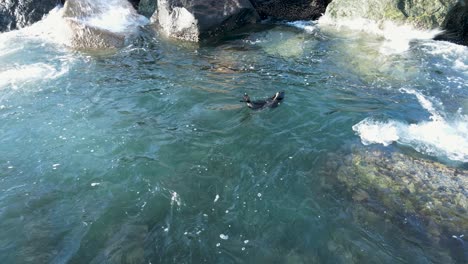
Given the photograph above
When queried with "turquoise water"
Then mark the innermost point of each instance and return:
(146, 155)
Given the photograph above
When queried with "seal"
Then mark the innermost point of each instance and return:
(271, 102)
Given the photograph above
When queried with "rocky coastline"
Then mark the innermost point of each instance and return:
(198, 20)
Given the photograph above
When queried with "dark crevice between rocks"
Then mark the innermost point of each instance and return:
(290, 9)
(135, 3)
(455, 25)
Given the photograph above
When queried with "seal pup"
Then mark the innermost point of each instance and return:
(272, 102)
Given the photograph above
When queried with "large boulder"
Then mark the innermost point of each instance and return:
(195, 20)
(449, 15)
(290, 9)
(94, 25)
(20, 13)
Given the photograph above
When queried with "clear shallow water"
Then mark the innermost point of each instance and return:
(146, 155)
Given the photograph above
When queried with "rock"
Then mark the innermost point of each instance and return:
(290, 9)
(16, 14)
(455, 25)
(422, 14)
(195, 20)
(134, 3)
(147, 7)
(86, 37)
(449, 15)
(405, 185)
(93, 27)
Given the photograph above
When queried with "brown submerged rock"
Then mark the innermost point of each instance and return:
(406, 186)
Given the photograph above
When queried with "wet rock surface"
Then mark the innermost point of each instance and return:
(406, 187)
(85, 35)
(291, 9)
(196, 20)
(450, 15)
(16, 14)
(456, 25)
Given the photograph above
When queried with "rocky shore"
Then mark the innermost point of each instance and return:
(198, 20)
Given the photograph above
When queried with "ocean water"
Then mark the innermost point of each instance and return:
(144, 154)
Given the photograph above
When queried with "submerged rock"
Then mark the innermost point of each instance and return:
(407, 186)
(450, 15)
(290, 9)
(195, 20)
(16, 14)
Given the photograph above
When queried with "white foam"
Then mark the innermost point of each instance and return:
(453, 54)
(397, 38)
(308, 26)
(28, 73)
(52, 29)
(113, 16)
(438, 136)
(372, 131)
(117, 19)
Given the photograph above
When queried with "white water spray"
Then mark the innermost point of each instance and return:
(396, 38)
(438, 137)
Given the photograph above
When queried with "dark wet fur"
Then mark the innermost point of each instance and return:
(271, 102)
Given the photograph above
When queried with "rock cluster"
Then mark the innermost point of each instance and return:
(195, 20)
(198, 19)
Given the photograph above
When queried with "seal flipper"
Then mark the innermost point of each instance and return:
(259, 104)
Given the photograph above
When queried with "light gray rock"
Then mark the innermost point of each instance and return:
(86, 35)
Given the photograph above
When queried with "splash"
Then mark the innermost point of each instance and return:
(24, 74)
(51, 29)
(117, 19)
(396, 38)
(456, 56)
(438, 137)
(308, 26)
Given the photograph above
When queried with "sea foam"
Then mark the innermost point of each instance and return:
(438, 136)
(27, 73)
(396, 38)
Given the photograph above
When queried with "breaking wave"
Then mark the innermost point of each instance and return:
(438, 136)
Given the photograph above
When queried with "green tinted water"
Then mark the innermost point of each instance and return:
(146, 155)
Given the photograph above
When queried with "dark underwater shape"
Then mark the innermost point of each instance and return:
(272, 102)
